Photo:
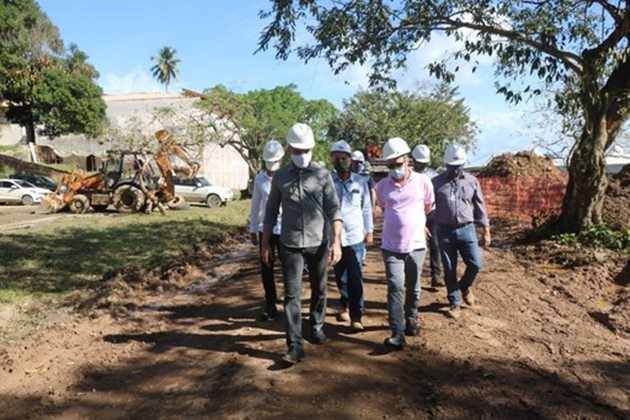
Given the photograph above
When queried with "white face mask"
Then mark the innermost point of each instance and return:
(302, 161)
(272, 166)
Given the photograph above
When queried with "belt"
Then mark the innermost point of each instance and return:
(456, 226)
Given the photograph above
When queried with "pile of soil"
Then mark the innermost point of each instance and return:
(616, 209)
(124, 290)
(524, 163)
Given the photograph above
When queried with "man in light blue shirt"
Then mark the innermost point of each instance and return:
(357, 230)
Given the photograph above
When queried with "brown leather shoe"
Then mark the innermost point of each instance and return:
(454, 312)
(469, 298)
(343, 316)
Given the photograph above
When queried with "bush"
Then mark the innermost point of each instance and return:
(597, 236)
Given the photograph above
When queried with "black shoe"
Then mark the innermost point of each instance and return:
(294, 356)
(267, 316)
(395, 342)
(411, 329)
(318, 336)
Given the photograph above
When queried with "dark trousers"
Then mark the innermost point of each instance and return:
(349, 277)
(266, 273)
(292, 268)
(434, 248)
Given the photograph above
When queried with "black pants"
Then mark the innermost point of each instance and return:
(293, 269)
(434, 248)
(266, 273)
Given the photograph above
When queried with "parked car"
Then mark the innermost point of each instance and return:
(199, 190)
(18, 191)
(37, 180)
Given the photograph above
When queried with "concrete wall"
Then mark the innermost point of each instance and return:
(224, 166)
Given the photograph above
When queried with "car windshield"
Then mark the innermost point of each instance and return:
(203, 181)
(24, 184)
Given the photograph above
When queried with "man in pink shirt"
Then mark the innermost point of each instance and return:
(405, 197)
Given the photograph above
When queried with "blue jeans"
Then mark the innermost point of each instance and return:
(403, 284)
(349, 276)
(293, 260)
(461, 239)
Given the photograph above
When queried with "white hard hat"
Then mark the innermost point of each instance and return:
(273, 151)
(421, 153)
(341, 146)
(300, 136)
(395, 147)
(455, 155)
(357, 156)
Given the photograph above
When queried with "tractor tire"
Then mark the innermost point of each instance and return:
(213, 200)
(100, 208)
(27, 200)
(79, 204)
(177, 203)
(129, 199)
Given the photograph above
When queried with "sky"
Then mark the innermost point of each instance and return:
(216, 40)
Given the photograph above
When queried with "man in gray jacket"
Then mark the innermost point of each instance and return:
(306, 192)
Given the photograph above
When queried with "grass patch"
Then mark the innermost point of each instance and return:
(51, 259)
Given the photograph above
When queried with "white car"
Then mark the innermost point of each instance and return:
(199, 190)
(18, 191)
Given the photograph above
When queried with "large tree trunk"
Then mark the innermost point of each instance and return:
(584, 197)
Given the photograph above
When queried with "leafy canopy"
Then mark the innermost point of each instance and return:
(33, 62)
(253, 118)
(435, 119)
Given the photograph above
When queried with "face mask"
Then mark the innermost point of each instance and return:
(272, 166)
(356, 167)
(398, 173)
(341, 166)
(454, 171)
(419, 167)
(302, 161)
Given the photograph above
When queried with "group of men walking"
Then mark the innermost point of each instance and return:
(304, 215)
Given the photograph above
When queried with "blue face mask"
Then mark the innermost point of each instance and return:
(398, 173)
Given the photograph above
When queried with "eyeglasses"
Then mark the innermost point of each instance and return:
(395, 165)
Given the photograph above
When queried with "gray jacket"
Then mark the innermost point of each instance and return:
(309, 204)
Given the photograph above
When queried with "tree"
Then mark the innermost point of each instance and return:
(433, 119)
(580, 44)
(165, 68)
(71, 96)
(31, 53)
(247, 121)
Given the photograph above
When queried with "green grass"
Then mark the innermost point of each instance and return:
(54, 258)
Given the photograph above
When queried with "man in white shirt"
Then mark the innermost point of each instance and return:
(272, 155)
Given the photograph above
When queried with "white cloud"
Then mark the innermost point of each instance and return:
(137, 80)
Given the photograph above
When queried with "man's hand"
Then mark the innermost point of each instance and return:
(254, 237)
(369, 239)
(265, 255)
(487, 239)
(335, 254)
(427, 232)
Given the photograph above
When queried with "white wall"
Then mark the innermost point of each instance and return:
(224, 166)
(10, 134)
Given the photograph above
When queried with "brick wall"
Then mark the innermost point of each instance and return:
(522, 198)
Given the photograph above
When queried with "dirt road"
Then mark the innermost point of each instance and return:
(529, 349)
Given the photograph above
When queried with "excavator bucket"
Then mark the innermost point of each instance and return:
(52, 203)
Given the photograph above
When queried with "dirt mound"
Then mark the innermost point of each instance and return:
(124, 290)
(524, 163)
(616, 209)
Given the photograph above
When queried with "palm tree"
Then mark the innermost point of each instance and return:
(165, 68)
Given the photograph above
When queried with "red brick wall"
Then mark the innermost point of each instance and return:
(522, 198)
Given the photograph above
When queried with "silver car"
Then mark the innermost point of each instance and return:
(18, 191)
(199, 190)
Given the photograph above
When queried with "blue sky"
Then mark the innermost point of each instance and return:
(215, 41)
